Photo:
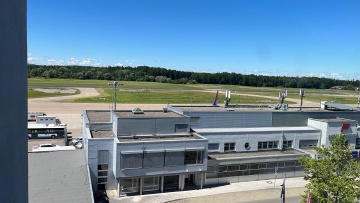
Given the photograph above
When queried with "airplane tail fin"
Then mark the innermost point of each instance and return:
(216, 98)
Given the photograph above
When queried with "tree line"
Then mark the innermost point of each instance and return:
(163, 75)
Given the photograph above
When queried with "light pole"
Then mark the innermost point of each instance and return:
(115, 84)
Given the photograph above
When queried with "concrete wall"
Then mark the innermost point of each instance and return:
(13, 102)
(94, 145)
(232, 119)
(146, 126)
(240, 138)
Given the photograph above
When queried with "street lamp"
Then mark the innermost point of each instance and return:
(115, 84)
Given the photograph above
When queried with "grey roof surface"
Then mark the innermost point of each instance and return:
(98, 116)
(102, 133)
(258, 129)
(60, 176)
(243, 108)
(148, 114)
(159, 138)
(328, 120)
(340, 106)
(254, 154)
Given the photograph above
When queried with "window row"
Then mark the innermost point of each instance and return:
(230, 146)
(255, 166)
(161, 159)
(210, 175)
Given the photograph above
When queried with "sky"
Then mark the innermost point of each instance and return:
(318, 38)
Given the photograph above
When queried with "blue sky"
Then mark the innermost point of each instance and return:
(262, 37)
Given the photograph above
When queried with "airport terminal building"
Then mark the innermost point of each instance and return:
(181, 147)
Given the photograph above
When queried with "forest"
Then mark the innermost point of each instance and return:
(163, 75)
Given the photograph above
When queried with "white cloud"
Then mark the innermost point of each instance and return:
(118, 64)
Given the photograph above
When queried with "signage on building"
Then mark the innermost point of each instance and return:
(344, 127)
(355, 154)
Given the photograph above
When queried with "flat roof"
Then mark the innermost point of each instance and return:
(240, 108)
(148, 114)
(254, 154)
(329, 120)
(257, 129)
(60, 176)
(98, 116)
(341, 106)
(102, 133)
(160, 138)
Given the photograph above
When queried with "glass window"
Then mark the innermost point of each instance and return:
(103, 156)
(229, 147)
(213, 147)
(151, 184)
(247, 146)
(193, 157)
(182, 128)
(287, 144)
(357, 144)
(267, 145)
(129, 185)
(233, 168)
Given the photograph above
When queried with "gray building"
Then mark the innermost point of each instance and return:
(136, 152)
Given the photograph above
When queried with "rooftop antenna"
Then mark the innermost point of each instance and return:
(115, 84)
(216, 98)
(282, 96)
(227, 99)
(357, 89)
(302, 95)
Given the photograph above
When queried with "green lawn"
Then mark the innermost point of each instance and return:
(153, 92)
(170, 96)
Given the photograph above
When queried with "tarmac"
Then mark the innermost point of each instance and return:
(250, 190)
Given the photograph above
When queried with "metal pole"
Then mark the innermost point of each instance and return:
(115, 84)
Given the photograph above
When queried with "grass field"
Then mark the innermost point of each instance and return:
(152, 92)
(170, 96)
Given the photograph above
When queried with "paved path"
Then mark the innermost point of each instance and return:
(235, 192)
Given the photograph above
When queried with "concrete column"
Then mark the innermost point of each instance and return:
(141, 186)
(201, 180)
(181, 182)
(162, 184)
(13, 102)
(119, 188)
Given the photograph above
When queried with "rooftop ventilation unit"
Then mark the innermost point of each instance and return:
(137, 111)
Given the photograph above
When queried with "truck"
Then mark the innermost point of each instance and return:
(32, 115)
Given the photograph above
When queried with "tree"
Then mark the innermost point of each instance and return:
(334, 175)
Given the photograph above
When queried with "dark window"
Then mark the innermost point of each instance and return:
(181, 128)
(193, 157)
(247, 146)
(213, 147)
(229, 147)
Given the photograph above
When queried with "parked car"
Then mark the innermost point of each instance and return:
(75, 141)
